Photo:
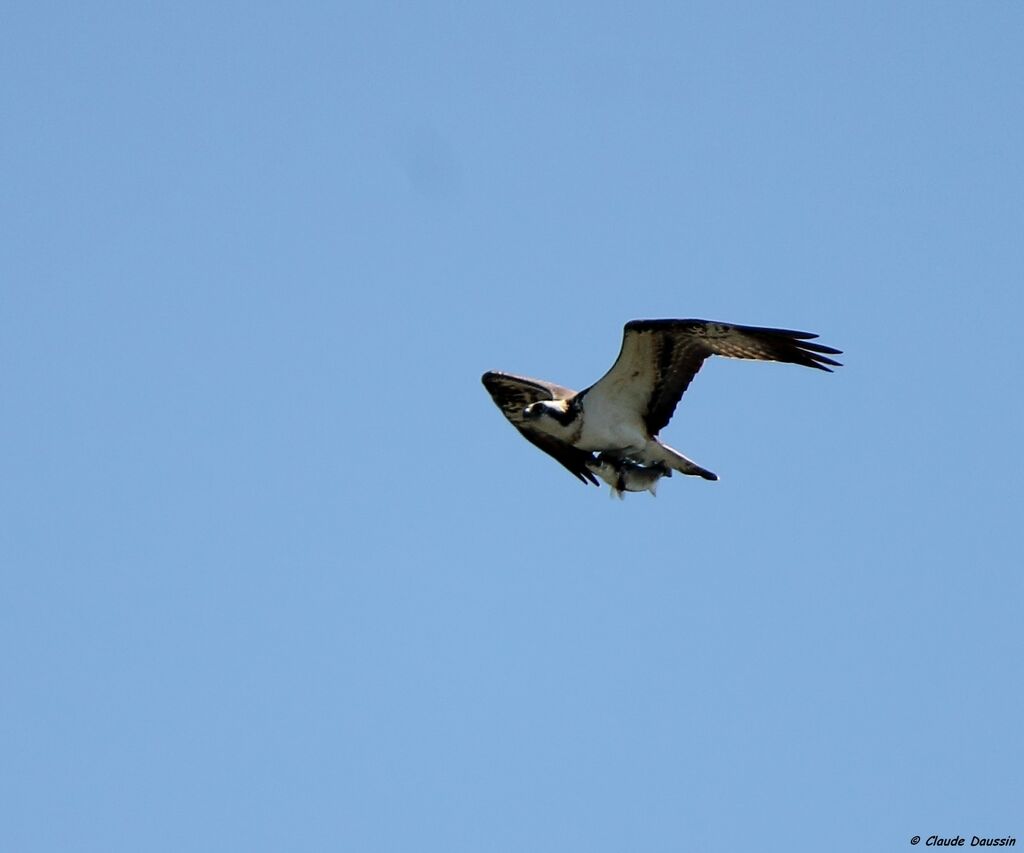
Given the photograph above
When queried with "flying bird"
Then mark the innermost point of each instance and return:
(618, 418)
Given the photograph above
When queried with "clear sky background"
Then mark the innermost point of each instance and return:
(277, 575)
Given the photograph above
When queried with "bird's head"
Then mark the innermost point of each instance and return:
(545, 409)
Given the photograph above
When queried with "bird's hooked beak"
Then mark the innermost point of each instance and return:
(552, 408)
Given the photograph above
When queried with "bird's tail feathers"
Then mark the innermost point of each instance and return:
(674, 460)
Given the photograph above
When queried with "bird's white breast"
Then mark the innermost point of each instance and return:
(608, 425)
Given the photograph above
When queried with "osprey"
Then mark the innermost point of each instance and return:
(619, 416)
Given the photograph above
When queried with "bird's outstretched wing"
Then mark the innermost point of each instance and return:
(659, 358)
(513, 393)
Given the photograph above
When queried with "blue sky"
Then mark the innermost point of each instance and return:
(276, 574)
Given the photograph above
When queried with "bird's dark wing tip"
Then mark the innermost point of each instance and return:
(813, 347)
(822, 363)
(585, 476)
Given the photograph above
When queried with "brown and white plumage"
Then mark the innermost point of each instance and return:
(622, 413)
(513, 394)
